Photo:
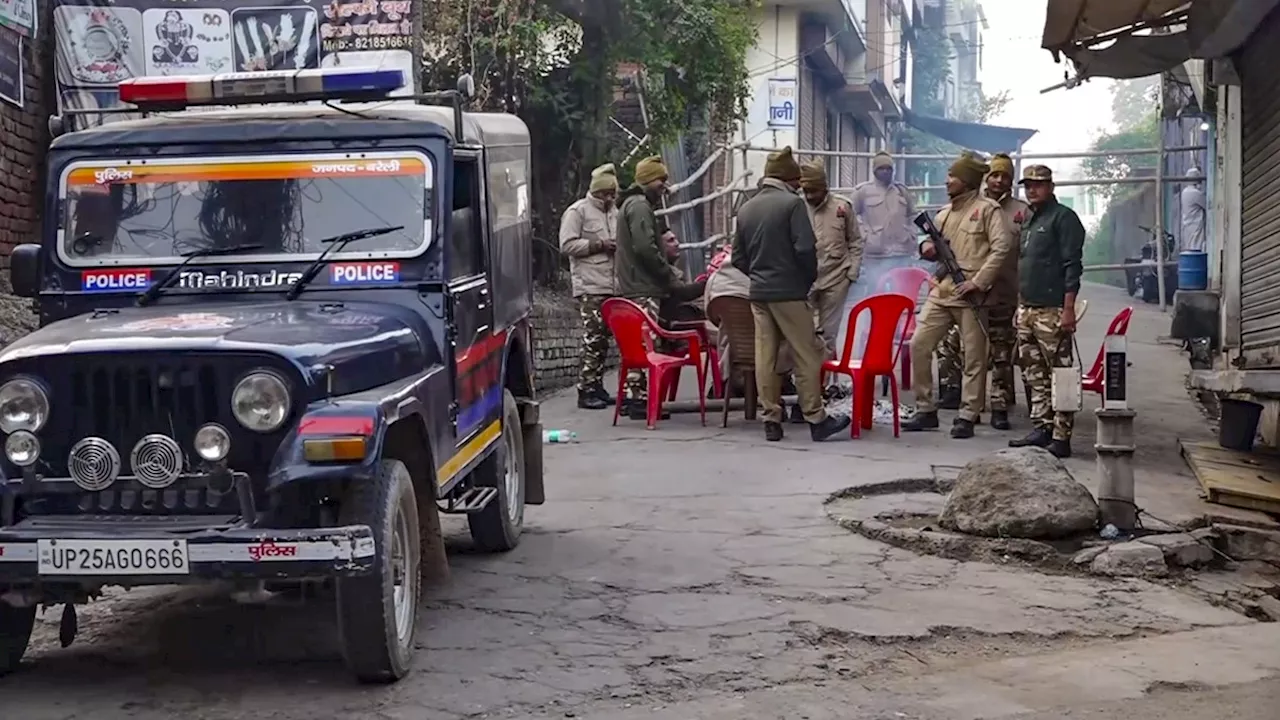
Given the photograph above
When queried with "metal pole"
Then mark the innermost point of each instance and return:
(1115, 444)
(1017, 170)
(1159, 224)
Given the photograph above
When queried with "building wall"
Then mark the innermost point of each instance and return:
(775, 55)
(24, 136)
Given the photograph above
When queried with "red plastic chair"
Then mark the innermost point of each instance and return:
(711, 362)
(908, 281)
(1092, 380)
(634, 330)
(884, 346)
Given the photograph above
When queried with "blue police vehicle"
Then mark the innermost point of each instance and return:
(285, 323)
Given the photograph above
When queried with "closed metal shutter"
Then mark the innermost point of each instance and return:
(848, 141)
(1260, 198)
(808, 108)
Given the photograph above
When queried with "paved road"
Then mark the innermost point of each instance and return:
(687, 573)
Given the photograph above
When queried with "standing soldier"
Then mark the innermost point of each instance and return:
(644, 276)
(774, 247)
(1003, 303)
(839, 251)
(588, 236)
(1049, 272)
(981, 241)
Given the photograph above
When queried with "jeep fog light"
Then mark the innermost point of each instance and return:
(23, 406)
(260, 401)
(212, 442)
(22, 448)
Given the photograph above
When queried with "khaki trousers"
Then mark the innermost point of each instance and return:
(791, 322)
(932, 326)
(831, 314)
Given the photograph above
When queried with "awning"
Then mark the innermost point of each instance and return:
(974, 136)
(1136, 38)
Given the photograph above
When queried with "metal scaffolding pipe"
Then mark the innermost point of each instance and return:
(1029, 156)
(1159, 229)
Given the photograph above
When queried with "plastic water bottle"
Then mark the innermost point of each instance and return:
(559, 436)
(1110, 532)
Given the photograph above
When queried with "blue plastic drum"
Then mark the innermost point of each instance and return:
(1193, 271)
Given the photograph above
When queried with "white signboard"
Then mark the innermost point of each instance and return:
(19, 15)
(784, 103)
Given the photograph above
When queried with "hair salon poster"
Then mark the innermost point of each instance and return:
(103, 42)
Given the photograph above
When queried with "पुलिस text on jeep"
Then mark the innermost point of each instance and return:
(272, 351)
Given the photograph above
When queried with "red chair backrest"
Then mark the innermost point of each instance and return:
(889, 314)
(903, 281)
(1119, 326)
(632, 329)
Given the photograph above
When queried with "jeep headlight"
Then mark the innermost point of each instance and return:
(23, 406)
(260, 401)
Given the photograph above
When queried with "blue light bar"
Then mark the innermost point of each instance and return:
(286, 86)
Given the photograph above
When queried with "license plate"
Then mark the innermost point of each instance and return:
(113, 557)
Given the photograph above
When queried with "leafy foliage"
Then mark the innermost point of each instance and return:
(988, 107)
(554, 64)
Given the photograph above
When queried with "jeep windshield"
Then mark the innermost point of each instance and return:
(145, 212)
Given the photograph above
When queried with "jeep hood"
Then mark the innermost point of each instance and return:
(367, 344)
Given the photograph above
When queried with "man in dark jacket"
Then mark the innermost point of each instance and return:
(774, 246)
(644, 275)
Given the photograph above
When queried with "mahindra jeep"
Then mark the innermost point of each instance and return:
(277, 338)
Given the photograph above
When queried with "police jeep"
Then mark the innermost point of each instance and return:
(276, 342)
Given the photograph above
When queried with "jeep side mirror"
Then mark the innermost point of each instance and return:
(466, 86)
(24, 270)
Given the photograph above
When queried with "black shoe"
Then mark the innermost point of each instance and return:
(796, 417)
(603, 394)
(1060, 449)
(788, 385)
(835, 392)
(773, 431)
(589, 400)
(1000, 420)
(962, 429)
(949, 398)
(921, 421)
(639, 410)
(829, 427)
(1040, 437)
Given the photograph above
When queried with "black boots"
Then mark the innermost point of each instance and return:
(1060, 449)
(828, 428)
(948, 398)
(1040, 437)
(795, 416)
(1000, 420)
(921, 421)
(594, 397)
(962, 429)
(772, 431)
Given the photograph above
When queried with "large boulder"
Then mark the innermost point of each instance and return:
(1019, 493)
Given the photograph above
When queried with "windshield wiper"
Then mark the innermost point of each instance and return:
(335, 243)
(158, 289)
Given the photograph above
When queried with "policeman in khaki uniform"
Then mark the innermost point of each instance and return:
(1049, 267)
(588, 236)
(980, 238)
(1003, 303)
(839, 246)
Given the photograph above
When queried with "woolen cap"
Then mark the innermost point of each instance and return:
(782, 165)
(969, 169)
(813, 175)
(604, 179)
(650, 169)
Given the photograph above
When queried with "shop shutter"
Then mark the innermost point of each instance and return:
(1260, 198)
(808, 108)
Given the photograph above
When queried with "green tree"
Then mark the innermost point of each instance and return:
(553, 63)
(1132, 101)
(932, 71)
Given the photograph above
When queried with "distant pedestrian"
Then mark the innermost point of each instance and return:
(774, 246)
(588, 236)
(1049, 270)
(980, 238)
(1193, 214)
(643, 273)
(839, 252)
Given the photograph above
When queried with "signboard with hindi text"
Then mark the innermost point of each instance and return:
(784, 103)
(100, 43)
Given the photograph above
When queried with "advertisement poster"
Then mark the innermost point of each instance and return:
(784, 104)
(12, 80)
(19, 15)
(103, 42)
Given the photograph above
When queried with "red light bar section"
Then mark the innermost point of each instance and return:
(336, 425)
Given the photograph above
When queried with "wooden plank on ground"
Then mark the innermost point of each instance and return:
(1236, 479)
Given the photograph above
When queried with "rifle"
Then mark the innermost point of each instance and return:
(948, 266)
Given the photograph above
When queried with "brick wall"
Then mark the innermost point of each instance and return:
(24, 135)
(557, 338)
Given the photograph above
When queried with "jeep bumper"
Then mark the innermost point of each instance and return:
(48, 550)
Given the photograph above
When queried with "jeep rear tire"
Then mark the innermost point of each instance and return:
(377, 612)
(497, 528)
(15, 633)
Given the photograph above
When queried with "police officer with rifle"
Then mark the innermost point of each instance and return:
(971, 242)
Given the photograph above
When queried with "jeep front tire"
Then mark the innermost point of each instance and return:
(377, 612)
(16, 624)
